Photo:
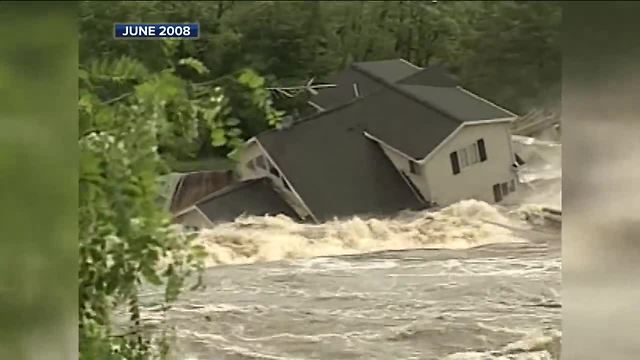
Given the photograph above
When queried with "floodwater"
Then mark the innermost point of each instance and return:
(470, 281)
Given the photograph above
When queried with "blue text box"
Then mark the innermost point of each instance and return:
(156, 31)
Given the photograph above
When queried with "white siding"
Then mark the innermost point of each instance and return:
(475, 181)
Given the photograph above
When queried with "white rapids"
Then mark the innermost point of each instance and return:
(469, 281)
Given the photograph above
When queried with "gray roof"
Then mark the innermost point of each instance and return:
(455, 102)
(369, 76)
(434, 86)
(387, 70)
(251, 197)
(431, 76)
(336, 169)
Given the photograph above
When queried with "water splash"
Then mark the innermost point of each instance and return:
(541, 176)
(463, 225)
(539, 345)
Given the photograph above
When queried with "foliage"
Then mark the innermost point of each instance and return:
(506, 50)
(38, 167)
(125, 237)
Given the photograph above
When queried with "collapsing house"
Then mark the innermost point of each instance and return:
(390, 136)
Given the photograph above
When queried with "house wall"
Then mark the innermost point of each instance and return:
(246, 172)
(402, 165)
(475, 181)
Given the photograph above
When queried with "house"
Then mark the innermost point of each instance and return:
(390, 136)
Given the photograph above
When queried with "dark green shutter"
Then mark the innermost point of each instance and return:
(482, 150)
(455, 165)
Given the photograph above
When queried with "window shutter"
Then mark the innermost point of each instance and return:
(481, 150)
(455, 165)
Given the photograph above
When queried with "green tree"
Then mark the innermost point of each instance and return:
(511, 53)
(125, 236)
(506, 50)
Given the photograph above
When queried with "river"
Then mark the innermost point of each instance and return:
(470, 281)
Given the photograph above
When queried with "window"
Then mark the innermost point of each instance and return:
(505, 188)
(482, 151)
(497, 195)
(502, 190)
(464, 160)
(472, 153)
(468, 155)
(413, 167)
(455, 165)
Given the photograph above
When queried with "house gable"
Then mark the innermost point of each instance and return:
(470, 163)
(254, 162)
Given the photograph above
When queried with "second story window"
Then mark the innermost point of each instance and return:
(467, 156)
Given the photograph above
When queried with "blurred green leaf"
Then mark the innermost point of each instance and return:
(196, 65)
(218, 137)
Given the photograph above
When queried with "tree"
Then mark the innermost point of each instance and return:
(505, 50)
(512, 53)
(125, 236)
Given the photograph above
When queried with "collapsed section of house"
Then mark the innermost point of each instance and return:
(389, 136)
